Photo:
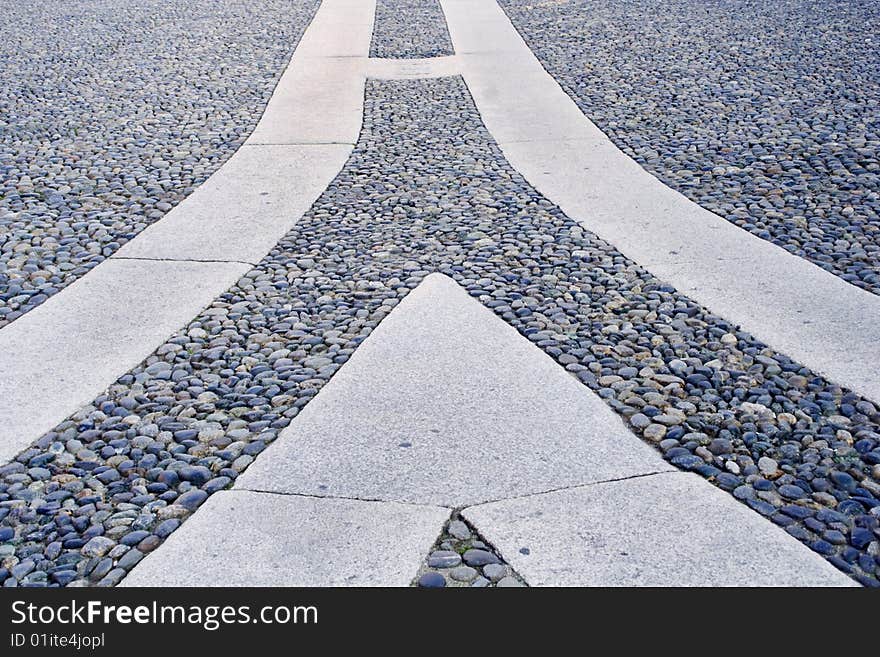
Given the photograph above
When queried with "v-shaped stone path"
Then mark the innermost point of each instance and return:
(446, 406)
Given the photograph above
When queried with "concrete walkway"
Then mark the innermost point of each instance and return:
(304, 139)
(66, 352)
(461, 411)
(790, 304)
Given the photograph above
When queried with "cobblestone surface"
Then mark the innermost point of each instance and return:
(461, 558)
(426, 189)
(112, 113)
(766, 112)
(407, 29)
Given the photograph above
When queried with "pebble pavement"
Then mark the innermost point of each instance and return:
(766, 112)
(461, 558)
(427, 189)
(410, 29)
(112, 113)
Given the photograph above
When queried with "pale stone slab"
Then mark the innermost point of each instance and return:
(65, 352)
(319, 99)
(242, 211)
(446, 404)
(240, 538)
(61, 355)
(797, 308)
(671, 529)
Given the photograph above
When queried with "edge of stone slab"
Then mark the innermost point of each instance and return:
(530, 133)
(64, 353)
(346, 437)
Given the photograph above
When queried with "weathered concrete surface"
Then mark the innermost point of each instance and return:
(408, 69)
(242, 211)
(446, 404)
(241, 538)
(64, 353)
(670, 529)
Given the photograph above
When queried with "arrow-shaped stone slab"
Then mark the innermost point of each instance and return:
(445, 405)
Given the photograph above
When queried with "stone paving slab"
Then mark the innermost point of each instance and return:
(61, 355)
(809, 314)
(319, 101)
(670, 529)
(341, 28)
(241, 538)
(446, 404)
(320, 98)
(245, 208)
(109, 320)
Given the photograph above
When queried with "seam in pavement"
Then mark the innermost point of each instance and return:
(205, 261)
(571, 487)
(373, 500)
(461, 508)
(299, 143)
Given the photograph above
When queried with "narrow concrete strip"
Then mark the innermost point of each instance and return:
(301, 142)
(242, 211)
(671, 529)
(321, 103)
(446, 404)
(793, 306)
(61, 355)
(241, 538)
(320, 98)
(411, 69)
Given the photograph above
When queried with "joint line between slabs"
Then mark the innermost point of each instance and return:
(219, 262)
(301, 143)
(454, 508)
(571, 487)
(374, 500)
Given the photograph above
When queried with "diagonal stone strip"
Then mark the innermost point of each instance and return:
(803, 311)
(114, 114)
(426, 190)
(787, 149)
(61, 355)
(55, 360)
